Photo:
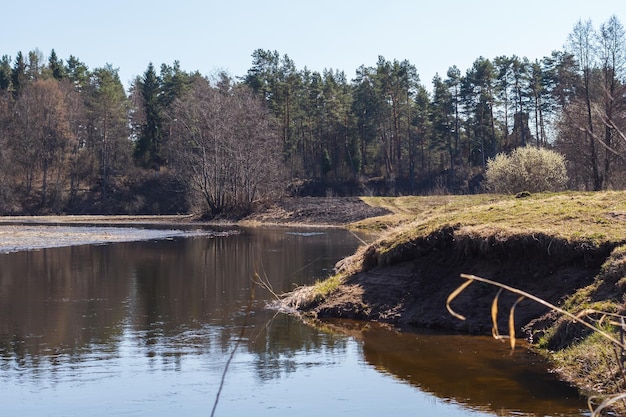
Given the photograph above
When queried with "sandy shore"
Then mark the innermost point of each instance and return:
(36, 232)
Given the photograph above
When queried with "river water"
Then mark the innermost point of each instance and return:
(147, 329)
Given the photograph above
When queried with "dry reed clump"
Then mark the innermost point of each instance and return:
(595, 363)
(306, 298)
(587, 335)
(300, 299)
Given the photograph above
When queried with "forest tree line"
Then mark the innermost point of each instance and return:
(73, 140)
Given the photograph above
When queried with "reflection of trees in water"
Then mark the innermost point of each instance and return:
(57, 301)
(167, 298)
(278, 343)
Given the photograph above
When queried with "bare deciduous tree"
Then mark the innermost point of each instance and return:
(109, 133)
(224, 146)
(594, 109)
(40, 133)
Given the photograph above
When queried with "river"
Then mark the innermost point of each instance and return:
(147, 328)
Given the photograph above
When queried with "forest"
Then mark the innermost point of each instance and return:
(74, 140)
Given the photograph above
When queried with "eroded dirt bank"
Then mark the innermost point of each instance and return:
(319, 211)
(411, 289)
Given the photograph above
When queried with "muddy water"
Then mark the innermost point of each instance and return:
(146, 329)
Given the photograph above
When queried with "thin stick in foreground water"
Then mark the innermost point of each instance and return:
(232, 353)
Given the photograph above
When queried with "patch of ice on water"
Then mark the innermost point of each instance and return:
(305, 234)
(15, 238)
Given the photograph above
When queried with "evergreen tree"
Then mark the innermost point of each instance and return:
(421, 138)
(262, 78)
(77, 72)
(337, 140)
(109, 132)
(366, 108)
(479, 99)
(18, 74)
(55, 66)
(443, 120)
(174, 82)
(148, 146)
(35, 65)
(504, 92)
(537, 92)
(453, 82)
(5, 73)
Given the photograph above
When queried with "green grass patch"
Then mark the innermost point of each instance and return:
(323, 288)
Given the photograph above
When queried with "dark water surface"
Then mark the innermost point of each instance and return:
(146, 329)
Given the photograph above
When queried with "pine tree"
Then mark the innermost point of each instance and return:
(55, 66)
(109, 121)
(77, 73)
(18, 74)
(5, 73)
(148, 146)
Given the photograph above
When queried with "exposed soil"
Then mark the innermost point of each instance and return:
(414, 292)
(315, 211)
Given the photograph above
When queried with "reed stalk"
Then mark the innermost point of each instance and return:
(581, 318)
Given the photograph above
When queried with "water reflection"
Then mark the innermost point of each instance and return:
(477, 371)
(63, 300)
(146, 328)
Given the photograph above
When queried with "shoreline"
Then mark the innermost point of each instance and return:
(568, 249)
(38, 232)
(292, 212)
(557, 247)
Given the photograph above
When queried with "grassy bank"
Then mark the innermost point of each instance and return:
(566, 248)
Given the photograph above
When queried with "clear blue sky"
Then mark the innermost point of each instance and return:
(209, 36)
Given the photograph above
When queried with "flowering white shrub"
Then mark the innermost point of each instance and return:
(526, 169)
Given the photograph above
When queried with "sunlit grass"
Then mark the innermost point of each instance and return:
(322, 288)
(588, 219)
(593, 218)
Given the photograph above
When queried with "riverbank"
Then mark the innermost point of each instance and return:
(567, 249)
(305, 211)
(24, 232)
